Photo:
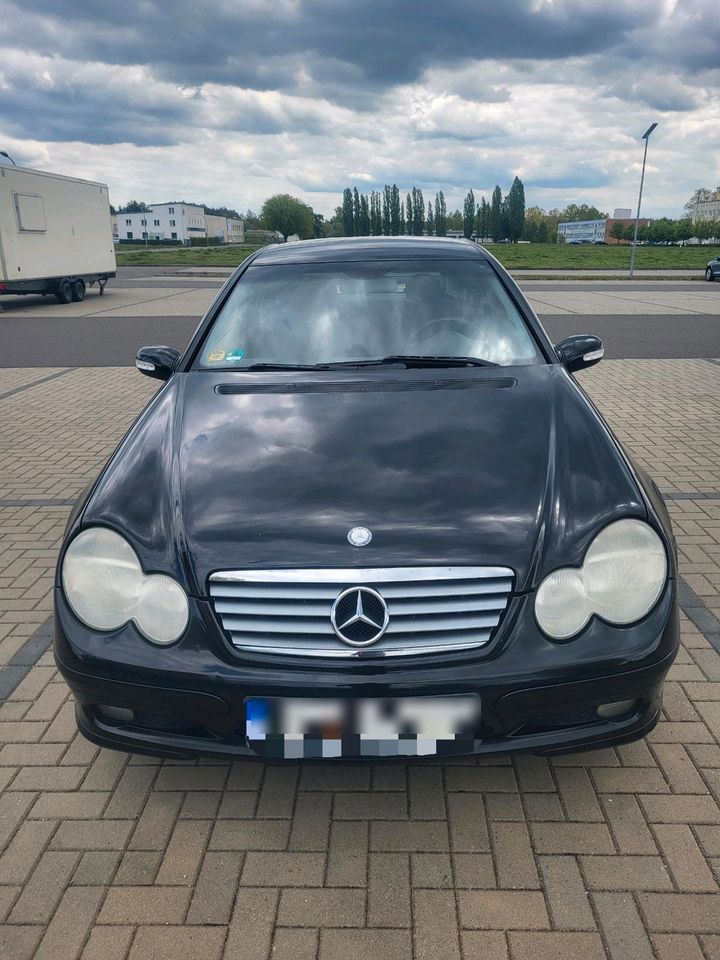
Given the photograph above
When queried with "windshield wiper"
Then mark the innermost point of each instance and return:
(421, 360)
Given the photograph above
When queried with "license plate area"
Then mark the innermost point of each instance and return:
(307, 727)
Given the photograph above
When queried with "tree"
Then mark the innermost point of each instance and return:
(253, 221)
(318, 225)
(401, 223)
(364, 229)
(454, 220)
(617, 231)
(386, 211)
(469, 214)
(356, 212)
(430, 220)
(505, 219)
(409, 222)
(134, 206)
(516, 209)
(440, 214)
(347, 208)
(288, 215)
(576, 212)
(418, 212)
(495, 224)
(222, 212)
(395, 211)
(376, 227)
(483, 219)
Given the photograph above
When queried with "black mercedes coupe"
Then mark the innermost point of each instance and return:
(370, 513)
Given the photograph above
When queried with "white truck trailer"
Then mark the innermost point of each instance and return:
(55, 234)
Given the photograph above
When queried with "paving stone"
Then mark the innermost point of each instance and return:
(145, 905)
(388, 902)
(368, 944)
(502, 910)
(329, 907)
(556, 946)
(566, 894)
(622, 926)
(435, 927)
(178, 943)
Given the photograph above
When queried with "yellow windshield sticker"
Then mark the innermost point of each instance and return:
(216, 355)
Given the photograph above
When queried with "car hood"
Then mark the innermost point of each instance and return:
(229, 470)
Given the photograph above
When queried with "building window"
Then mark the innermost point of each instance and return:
(143, 223)
(171, 209)
(173, 236)
(156, 223)
(145, 236)
(129, 235)
(128, 222)
(172, 223)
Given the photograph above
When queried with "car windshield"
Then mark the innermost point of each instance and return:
(315, 314)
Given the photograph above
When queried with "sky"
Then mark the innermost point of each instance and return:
(229, 101)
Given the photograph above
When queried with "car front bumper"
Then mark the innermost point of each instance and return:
(537, 696)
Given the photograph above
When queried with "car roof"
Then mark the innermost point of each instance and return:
(339, 249)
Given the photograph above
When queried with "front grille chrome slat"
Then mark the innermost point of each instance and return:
(431, 609)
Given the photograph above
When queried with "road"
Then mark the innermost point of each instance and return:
(643, 320)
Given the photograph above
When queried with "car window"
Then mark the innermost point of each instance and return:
(320, 313)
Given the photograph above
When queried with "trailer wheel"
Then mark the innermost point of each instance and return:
(78, 290)
(64, 292)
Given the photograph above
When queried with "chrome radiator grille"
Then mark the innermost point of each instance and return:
(431, 609)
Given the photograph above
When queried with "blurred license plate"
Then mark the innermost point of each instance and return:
(380, 727)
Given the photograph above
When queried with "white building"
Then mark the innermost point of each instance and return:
(228, 229)
(582, 231)
(707, 208)
(177, 221)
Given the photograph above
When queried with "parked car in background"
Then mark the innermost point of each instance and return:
(370, 512)
(712, 271)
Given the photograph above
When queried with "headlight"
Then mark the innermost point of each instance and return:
(621, 578)
(106, 588)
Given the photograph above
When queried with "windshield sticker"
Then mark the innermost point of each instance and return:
(234, 355)
(215, 356)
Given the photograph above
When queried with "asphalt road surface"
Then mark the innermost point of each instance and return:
(36, 332)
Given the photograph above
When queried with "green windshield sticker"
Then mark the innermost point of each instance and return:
(234, 355)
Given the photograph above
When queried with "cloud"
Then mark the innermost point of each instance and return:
(232, 101)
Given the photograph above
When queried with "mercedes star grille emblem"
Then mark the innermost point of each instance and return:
(359, 536)
(359, 616)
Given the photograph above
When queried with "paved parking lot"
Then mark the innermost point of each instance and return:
(613, 854)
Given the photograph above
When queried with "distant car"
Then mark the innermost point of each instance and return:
(712, 271)
(574, 243)
(599, 243)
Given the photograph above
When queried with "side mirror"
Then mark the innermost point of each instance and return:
(580, 352)
(157, 362)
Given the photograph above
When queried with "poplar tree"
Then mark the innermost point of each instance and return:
(401, 222)
(430, 220)
(375, 214)
(356, 212)
(469, 214)
(495, 225)
(386, 210)
(409, 220)
(395, 210)
(440, 214)
(364, 230)
(483, 219)
(347, 213)
(516, 209)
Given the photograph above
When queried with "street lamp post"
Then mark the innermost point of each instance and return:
(646, 138)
